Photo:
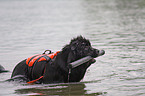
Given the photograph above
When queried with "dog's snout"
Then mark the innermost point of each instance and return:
(101, 52)
(97, 53)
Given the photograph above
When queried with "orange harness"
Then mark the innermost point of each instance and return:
(37, 58)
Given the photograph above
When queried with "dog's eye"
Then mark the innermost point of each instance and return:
(84, 44)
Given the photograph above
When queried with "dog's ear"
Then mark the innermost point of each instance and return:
(71, 57)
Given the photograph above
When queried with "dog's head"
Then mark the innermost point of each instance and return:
(80, 47)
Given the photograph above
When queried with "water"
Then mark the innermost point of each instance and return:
(28, 27)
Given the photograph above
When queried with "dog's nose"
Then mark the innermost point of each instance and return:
(101, 52)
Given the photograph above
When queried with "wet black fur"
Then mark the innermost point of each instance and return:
(56, 71)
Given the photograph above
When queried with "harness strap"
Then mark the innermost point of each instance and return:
(33, 81)
(44, 58)
(30, 82)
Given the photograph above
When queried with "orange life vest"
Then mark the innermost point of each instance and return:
(40, 57)
(37, 58)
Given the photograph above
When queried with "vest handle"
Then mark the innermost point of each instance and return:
(46, 51)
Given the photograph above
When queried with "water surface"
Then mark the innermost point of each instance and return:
(29, 27)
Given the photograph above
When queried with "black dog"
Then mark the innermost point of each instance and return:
(56, 70)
